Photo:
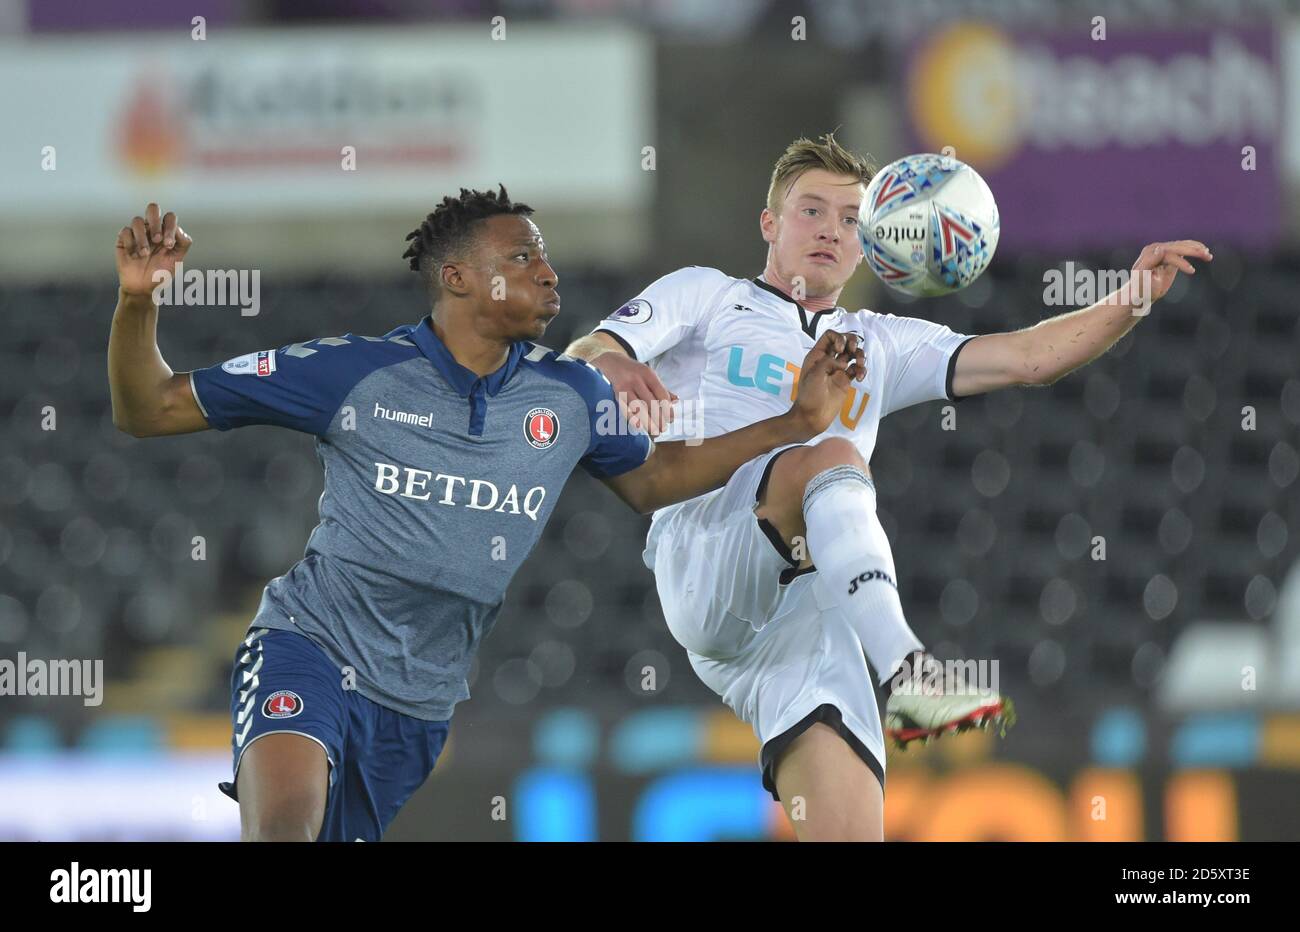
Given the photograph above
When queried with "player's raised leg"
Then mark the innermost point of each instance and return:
(283, 786)
(823, 495)
(827, 790)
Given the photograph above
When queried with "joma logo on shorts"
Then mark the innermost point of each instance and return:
(867, 577)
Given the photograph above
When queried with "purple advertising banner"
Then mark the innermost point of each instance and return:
(80, 16)
(1106, 142)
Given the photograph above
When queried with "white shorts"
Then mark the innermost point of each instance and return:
(757, 631)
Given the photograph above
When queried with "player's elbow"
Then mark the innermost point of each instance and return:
(126, 424)
(644, 499)
(135, 424)
(1033, 371)
(642, 503)
(133, 428)
(1040, 373)
(130, 410)
(1034, 376)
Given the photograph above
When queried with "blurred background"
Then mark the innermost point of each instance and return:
(1158, 688)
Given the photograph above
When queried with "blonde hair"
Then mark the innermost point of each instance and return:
(804, 155)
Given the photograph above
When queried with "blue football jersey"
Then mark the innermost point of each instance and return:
(438, 483)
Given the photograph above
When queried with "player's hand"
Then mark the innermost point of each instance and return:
(1164, 261)
(151, 244)
(829, 369)
(644, 400)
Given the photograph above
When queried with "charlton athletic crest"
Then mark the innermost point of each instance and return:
(282, 704)
(541, 427)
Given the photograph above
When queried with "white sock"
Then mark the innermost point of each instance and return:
(855, 566)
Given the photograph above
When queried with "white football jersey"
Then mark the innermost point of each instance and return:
(731, 348)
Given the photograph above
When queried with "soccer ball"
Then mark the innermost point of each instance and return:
(929, 225)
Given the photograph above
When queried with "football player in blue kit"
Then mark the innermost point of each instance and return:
(445, 444)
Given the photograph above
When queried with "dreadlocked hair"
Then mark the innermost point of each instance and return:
(447, 231)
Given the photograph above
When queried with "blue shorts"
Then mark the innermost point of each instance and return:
(378, 758)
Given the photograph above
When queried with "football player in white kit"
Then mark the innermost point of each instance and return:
(781, 585)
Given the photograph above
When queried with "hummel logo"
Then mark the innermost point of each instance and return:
(740, 307)
(403, 417)
(867, 577)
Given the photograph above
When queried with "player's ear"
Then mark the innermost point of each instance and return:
(452, 279)
(767, 224)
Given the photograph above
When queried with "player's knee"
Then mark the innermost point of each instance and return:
(827, 454)
(797, 467)
(837, 451)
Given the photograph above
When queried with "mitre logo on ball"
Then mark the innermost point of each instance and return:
(929, 225)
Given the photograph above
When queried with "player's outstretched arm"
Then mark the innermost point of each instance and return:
(148, 398)
(682, 470)
(1053, 348)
